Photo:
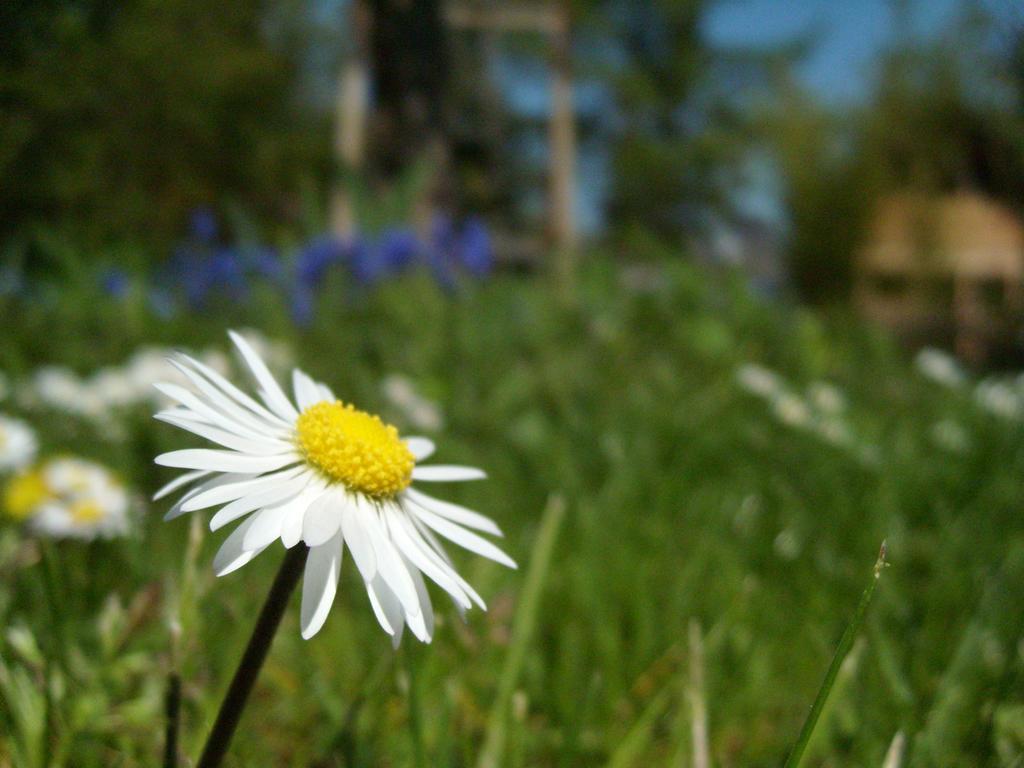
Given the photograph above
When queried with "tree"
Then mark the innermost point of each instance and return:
(681, 108)
(117, 118)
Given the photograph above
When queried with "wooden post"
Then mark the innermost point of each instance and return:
(351, 118)
(562, 136)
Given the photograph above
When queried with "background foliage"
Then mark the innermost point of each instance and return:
(688, 498)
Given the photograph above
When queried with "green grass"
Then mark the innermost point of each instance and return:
(685, 501)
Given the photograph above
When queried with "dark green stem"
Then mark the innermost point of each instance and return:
(231, 708)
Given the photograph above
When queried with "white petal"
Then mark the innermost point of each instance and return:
(438, 551)
(263, 422)
(291, 530)
(261, 446)
(390, 565)
(234, 420)
(222, 493)
(358, 540)
(234, 392)
(440, 473)
(266, 497)
(270, 389)
(213, 482)
(326, 393)
(407, 539)
(323, 518)
(453, 512)
(320, 584)
(232, 555)
(306, 391)
(427, 608)
(386, 608)
(179, 481)
(266, 526)
(464, 538)
(420, 447)
(224, 461)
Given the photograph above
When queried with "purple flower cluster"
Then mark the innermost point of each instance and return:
(202, 269)
(371, 259)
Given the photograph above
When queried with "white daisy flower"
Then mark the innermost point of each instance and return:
(940, 367)
(322, 472)
(418, 410)
(18, 444)
(758, 380)
(56, 387)
(827, 398)
(69, 498)
(791, 410)
(999, 398)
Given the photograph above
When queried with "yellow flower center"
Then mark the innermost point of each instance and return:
(85, 512)
(24, 493)
(354, 448)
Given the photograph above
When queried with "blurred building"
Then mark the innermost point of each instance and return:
(944, 269)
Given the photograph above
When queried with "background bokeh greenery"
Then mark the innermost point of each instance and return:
(686, 499)
(615, 395)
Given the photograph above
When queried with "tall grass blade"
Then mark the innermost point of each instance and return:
(632, 747)
(845, 643)
(522, 631)
(698, 701)
(894, 755)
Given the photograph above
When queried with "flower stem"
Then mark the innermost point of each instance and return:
(172, 706)
(255, 652)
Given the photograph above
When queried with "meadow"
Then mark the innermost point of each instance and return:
(694, 481)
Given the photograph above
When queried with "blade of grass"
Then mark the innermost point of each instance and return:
(632, 746)
(695, 693)
(845, 643)
(522, 631)
(894, 755)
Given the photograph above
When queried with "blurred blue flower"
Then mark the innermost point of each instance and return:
(316, 257)
(302, 305)
(115, 283)
(475, 252)
(265, 262)
(203, 224)
(224, 273)
(364, 262)
(198, 272)
(398, 249)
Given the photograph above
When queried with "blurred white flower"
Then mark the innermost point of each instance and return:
(791, 410)
(56, 387)
(787, 544)
(999, 399)
(834, 431)
(940, 367)
(827, 398)
(112, 388)
(145, 368)
(321, 473)
(949, 435)
(69, 498)
(758, 380)
(418, 411)
(18, 444)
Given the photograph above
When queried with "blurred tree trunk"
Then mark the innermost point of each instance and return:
(562, 133)
(409, 57)
(351, 117)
